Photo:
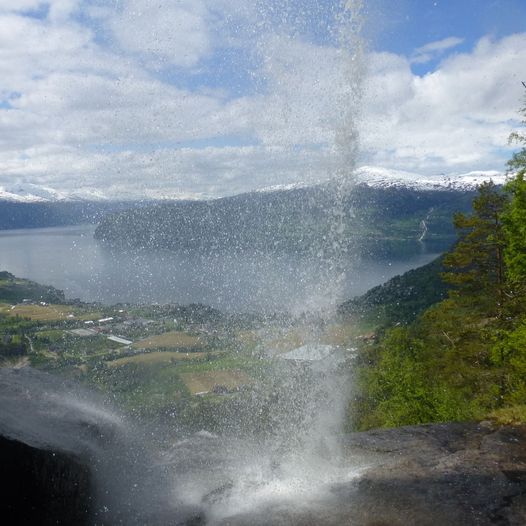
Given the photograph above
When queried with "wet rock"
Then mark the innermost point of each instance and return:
(42, 486)
(433, 475)
(66, 458)
(447, 474)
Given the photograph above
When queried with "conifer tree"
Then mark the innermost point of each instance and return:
(515, 217)
(514, 221)
(476, 264)
(517, 164)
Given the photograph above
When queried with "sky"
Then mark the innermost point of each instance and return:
(204, 98)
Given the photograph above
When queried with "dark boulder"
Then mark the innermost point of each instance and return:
(42, 486)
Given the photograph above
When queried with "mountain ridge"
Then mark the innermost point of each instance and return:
(375, 177)
(296, 219)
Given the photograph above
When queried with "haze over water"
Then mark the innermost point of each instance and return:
(70, 259)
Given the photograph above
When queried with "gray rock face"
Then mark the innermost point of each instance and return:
(451, 474)
(68, 459)
(43, 487)
(443, 474)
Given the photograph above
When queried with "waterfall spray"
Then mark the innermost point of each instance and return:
(305, 401)
(345, 149)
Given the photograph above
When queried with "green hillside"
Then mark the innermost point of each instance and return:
(402, 298)
(293, 220)
(464, 357)
(14, 290)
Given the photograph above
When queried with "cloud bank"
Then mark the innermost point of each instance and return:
(201, 98)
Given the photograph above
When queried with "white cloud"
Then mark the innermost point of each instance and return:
(456, 117)
(186, 171)
(57, 9)
(19, 5)
(435, 49)
(440, 45)
(60, 10)
(77, 112)
(174, 33)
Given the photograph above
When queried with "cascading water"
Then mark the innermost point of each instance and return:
(299, 402)
(303, 404)
(107, 456)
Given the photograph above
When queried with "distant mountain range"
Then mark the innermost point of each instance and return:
(377, 204)
(295, 219)
(386, 178)
(32, 193)
(16, 215)
(376, 177)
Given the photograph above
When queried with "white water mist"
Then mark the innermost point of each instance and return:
(305, 405)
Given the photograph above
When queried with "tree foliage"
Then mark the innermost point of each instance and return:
(517, 163)
(514, 218)
(514, 221)
(464, 357)
(476, 264)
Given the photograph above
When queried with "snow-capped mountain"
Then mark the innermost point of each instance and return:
(33, 193)
(30, 193)
(376, 177)
(282, 187)
(385, 178)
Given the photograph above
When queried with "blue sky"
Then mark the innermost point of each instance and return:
(200, 98)
(414, 23)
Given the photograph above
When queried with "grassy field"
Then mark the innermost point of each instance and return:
(205, 381)
(40, 312)
(172, 339)
(46, 312)
(157, 357)
(53, 335)
(509, 415)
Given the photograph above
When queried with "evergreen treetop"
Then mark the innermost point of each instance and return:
(476, 264)
(514, 218)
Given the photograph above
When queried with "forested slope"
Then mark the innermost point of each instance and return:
(464, 358)
(298, 219)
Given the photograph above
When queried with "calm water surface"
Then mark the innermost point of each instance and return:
(70, 259)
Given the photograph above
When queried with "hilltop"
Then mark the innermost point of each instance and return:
(293, 219)
(402, 298)
(13, 289)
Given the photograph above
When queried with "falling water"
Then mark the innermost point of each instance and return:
(335, 253)
(303, 406)
(300, 408)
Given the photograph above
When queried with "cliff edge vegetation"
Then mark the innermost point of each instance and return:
(463, 358)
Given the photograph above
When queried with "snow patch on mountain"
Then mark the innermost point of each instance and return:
(386, 178)
(376, 177)
(30, 193)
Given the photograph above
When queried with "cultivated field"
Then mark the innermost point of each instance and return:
(172, 339)
(151, 358)
(46, 312)
(39, 312)
(206, 381)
